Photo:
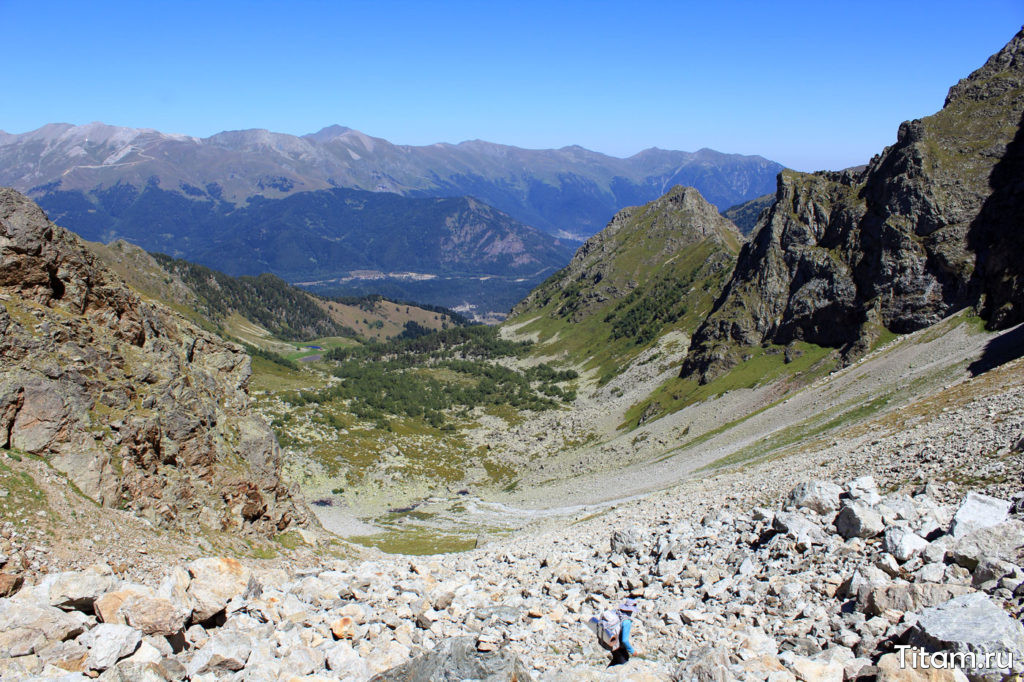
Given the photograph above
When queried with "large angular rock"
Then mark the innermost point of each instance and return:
(28, 628)
(864, 489)
(154, 616)
(132, 671)
(990, 569)
(108, 605)
(978, 511)
(342, 658)
(215, 582)
(906, 597)
(972, 623)
(819, 496)
(858, 520)
(457, 659)
(903, 543)
(10, 583)
(626, 541)
(224, 651)
(708, 664)
(804, 531)
(68, 655)
(863, 581)
(79, 589)
(108, 643)
(1004, 541)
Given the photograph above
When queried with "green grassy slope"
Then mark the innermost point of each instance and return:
(654, 269)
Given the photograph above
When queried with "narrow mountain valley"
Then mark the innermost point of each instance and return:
(797, 440)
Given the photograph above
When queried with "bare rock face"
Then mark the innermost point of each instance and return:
(141, 409)
(930, 226)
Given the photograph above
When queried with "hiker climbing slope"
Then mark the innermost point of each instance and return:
(613, 629)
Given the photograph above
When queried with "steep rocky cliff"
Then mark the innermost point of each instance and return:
(141, 409)
(932, 225)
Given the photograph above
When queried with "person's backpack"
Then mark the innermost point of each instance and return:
(609, 626)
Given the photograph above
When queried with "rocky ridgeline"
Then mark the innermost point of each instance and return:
(142, 410)
(827, 587)
(926, 229)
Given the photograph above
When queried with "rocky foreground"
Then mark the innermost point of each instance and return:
(826, 582)
(826, 588)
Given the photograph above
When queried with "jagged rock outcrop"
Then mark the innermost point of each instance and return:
(930, 226)
(141, 409)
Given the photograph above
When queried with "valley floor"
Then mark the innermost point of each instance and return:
(572, 463)
(732, 575)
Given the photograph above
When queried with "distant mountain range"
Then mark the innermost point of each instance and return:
(340, 241)
(567, 192)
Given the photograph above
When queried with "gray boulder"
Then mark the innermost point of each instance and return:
(978, 511)
(858, 520)
(79, 589)
(108, 643)
(863, 581)
(990, 569)
(457, 659)
(626, 541)
(864, 489)
(224, 651)
(819, 496)
(708, 664)
(903, 543)
(1003, 541)
(28, 628)
(972, 623)
(804, 531)
(903, 597)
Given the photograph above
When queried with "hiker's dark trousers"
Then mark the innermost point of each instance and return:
(619, 656)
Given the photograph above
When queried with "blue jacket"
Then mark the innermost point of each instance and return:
(627, 625)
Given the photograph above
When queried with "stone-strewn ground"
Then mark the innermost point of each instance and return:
(814, 566)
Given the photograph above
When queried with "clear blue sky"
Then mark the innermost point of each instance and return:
(810, 84)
